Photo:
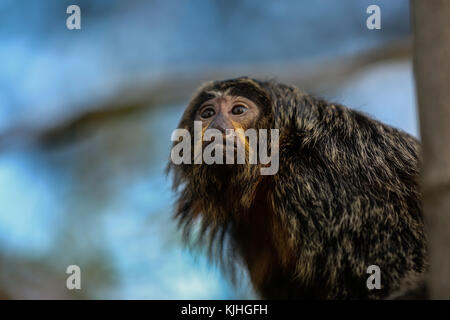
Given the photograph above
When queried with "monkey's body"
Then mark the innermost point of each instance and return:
(346, 197)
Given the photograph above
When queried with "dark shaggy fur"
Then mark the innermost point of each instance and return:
(345, 197)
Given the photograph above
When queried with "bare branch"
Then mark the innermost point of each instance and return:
(431, 20)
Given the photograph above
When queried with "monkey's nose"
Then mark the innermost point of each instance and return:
(222, 124)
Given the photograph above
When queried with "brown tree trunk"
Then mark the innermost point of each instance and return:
(431, 24)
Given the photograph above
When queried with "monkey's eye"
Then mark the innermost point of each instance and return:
(239, 109)
(207, 113)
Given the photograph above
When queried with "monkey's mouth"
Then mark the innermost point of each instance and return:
(232, 143)
(229, 149)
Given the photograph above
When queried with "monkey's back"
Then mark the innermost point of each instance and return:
(354, 201)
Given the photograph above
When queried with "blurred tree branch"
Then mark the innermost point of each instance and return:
(312, 76)
(431, 21)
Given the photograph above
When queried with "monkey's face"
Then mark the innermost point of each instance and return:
(227, 112)
(220, 116)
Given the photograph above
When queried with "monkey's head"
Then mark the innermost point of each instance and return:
(224, 110)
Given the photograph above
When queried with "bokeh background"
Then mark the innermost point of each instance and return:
(86, 117)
